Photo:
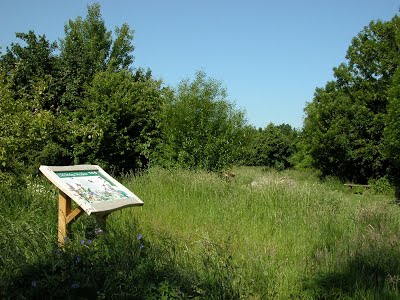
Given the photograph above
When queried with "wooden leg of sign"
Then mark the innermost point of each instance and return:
(65, 216)
(101, 221)
(64, 209)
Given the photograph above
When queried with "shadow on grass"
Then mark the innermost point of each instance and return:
(372, 273)
(116, 266)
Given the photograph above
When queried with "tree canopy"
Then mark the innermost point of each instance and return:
(202, 129)
(344, 124)
(70, 106)
(87, 48)
(86, 103)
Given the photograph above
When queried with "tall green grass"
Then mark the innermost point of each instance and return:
(261, 235)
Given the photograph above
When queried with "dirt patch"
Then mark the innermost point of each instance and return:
(270, 180)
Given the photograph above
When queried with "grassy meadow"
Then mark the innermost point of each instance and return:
(262, 235)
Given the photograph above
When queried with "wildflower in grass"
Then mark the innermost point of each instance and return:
(75, 285)
(78, 259)
(88, 242)
(82, 242)
(34, 283)
(139, 236)
(98, 231)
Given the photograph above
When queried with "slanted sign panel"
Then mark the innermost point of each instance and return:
(91, 188)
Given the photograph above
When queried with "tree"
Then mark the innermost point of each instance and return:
(32, 70)
(202, 129)
(31, 132)
(118, 123)
(344, 123)
(273, 146)
(88, 48)
(392, 132)
(49, 101)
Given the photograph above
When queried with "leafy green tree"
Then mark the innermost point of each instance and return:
(202, 129)
(41, 90)
(118, 123)
(301, 158)
(31, 132)
(392, 132)
(248, 145)
(344, 123)
(88, 48)
(273, 146)
(32, 69)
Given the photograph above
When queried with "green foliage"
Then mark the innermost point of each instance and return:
(381, 186)
(301, 158)
(121, 52)
(202, 129)
(31, 70)
(273, 146)
(83, 105)
(345, 121)
(392, 133)
(88, 48)
(122, 110)
(30, 132)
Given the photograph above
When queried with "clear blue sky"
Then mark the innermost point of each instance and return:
(270, 55)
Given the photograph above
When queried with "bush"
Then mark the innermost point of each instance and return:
(381, 186)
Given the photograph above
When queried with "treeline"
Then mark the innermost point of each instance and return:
(83, 101)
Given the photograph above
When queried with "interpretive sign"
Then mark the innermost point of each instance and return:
(92, 189)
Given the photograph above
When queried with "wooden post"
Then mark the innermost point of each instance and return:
(64, 209)
(101, 221)
(65, 216)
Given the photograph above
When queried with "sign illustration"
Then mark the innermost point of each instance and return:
(91, 186)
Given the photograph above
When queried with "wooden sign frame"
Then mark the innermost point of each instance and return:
(92, 189)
